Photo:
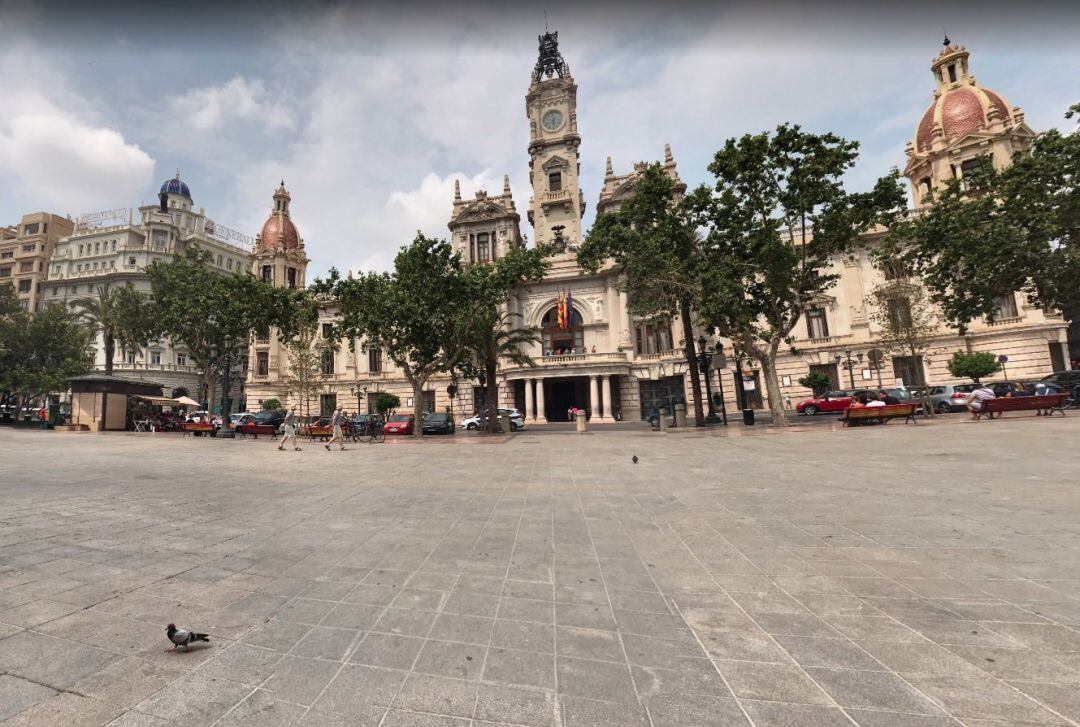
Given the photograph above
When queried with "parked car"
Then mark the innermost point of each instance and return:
(479, 420)
(1069, 381)
(437, 423)
(240, 418)
(945, 398)
(400, 424)
(830, 401)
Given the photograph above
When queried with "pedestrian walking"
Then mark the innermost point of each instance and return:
(335, 424)
(289, 427)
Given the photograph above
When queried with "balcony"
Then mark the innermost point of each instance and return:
(553, 198)
(577, 359)
(662, 356)
(138, 366)
(1012, 321)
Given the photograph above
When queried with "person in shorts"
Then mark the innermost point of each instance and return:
(335, 424)
(289, 427)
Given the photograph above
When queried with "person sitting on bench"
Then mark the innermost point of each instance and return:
(980, 394)
(879, 401)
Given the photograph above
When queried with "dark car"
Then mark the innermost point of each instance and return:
(1069, 381)
(436, 423)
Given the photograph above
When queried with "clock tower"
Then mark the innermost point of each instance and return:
(557, 204)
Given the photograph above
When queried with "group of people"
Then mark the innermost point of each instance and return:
(982, 393)
(867, 398)
(291, 425)
(567, 351)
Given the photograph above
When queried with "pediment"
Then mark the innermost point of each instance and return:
(555, 162)
(482, 211)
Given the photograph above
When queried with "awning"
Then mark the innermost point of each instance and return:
(157, 400)
(185, 401)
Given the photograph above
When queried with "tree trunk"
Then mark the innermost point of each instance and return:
(492, 395)
(772, 383)
(417, 397)
(110, 351)
(691, 361)
(920, 375)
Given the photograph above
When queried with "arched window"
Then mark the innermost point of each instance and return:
(562, 340)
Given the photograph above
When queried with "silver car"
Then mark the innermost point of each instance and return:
(945, 399)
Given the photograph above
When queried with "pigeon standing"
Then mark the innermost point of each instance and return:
(182, 637)
(634, 459)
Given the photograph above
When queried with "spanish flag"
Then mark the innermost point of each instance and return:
(561, 310)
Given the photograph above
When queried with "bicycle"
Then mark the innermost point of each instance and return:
(375, 432)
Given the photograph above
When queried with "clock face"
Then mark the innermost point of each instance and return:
(553, 120)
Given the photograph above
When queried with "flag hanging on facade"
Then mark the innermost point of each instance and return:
(560, 308)
(569, 309)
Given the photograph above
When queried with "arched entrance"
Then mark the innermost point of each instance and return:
(558, 340)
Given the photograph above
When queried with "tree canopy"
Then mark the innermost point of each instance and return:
(778, 222)
(123, 315)
(973, 365)
(654, 241)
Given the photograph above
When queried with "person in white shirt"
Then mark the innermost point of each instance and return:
(289, 426)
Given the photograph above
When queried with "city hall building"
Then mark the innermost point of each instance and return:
(594, 354)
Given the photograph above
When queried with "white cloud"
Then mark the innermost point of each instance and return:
(209, 107)
(64, 165)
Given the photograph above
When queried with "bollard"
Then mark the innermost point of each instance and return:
(581, 421)
(680, 415)
(504, 422)
(663, 419)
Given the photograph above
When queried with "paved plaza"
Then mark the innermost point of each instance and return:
(898, 576)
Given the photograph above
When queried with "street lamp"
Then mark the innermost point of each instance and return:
(846, 361)
(705, 364)
(358, 391)
(226, 368)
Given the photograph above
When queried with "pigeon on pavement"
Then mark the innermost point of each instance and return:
(182, 637)
(634, 459)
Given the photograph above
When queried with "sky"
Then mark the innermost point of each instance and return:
(369, 112)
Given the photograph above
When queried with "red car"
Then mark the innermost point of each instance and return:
(400, 424)
(831, 401)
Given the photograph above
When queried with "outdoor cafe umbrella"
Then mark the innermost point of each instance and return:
(185, 401)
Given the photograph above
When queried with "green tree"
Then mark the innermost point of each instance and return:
(995, 232)
(271, 404)
(816, 382)
(900, 306)
(305, 352)
(484, 330)
(973, 365)
(41, 352)
(411, 314)
(654, 242)
(199, 305)
(779, 221)
(11, 316)
(386, 403)
(122, 315)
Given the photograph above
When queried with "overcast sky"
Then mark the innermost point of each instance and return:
(369, 112)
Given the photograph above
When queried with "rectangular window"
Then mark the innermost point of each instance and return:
(130, 357)
(268, 273)
(290, 277)
(909, 369)
(7, 254)
(328, 363)
(27, 266)
(263, 334)
(31, 229)
(159, 240)
(482, 247)
(829, 370)
(900, 314)
(374, 360)
(817, 325)
(181, 359)
(228, 264)
(25, 286)
(1057, 357)
(155, 358)
(1005, 307)
(327, 330)
(56, 291)
(29, 248)
(5, 272)
(555, 182)
(262, 363)
(427, 401)
(952, 73)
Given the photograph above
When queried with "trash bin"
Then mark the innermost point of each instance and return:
(680, 415)
(748, 417)
(581, 421)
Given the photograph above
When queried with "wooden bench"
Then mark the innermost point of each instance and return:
(880, 414)
(1050, 403)
(198, 428)
(254, 430)
(315, 432)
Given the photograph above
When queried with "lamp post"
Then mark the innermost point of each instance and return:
(846, 361)
(226, 369)
(705, 364)
(358, 391)
(721, 363)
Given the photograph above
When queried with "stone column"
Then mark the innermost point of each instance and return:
(530, 410)
(594, 398)
(606, 413)
(541, 410)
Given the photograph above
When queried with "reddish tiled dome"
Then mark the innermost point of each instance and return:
(280, 233)
(961, 112)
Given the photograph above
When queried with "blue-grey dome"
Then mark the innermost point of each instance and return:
(175, 186)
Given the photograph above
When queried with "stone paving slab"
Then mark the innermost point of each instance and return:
(896, 576)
